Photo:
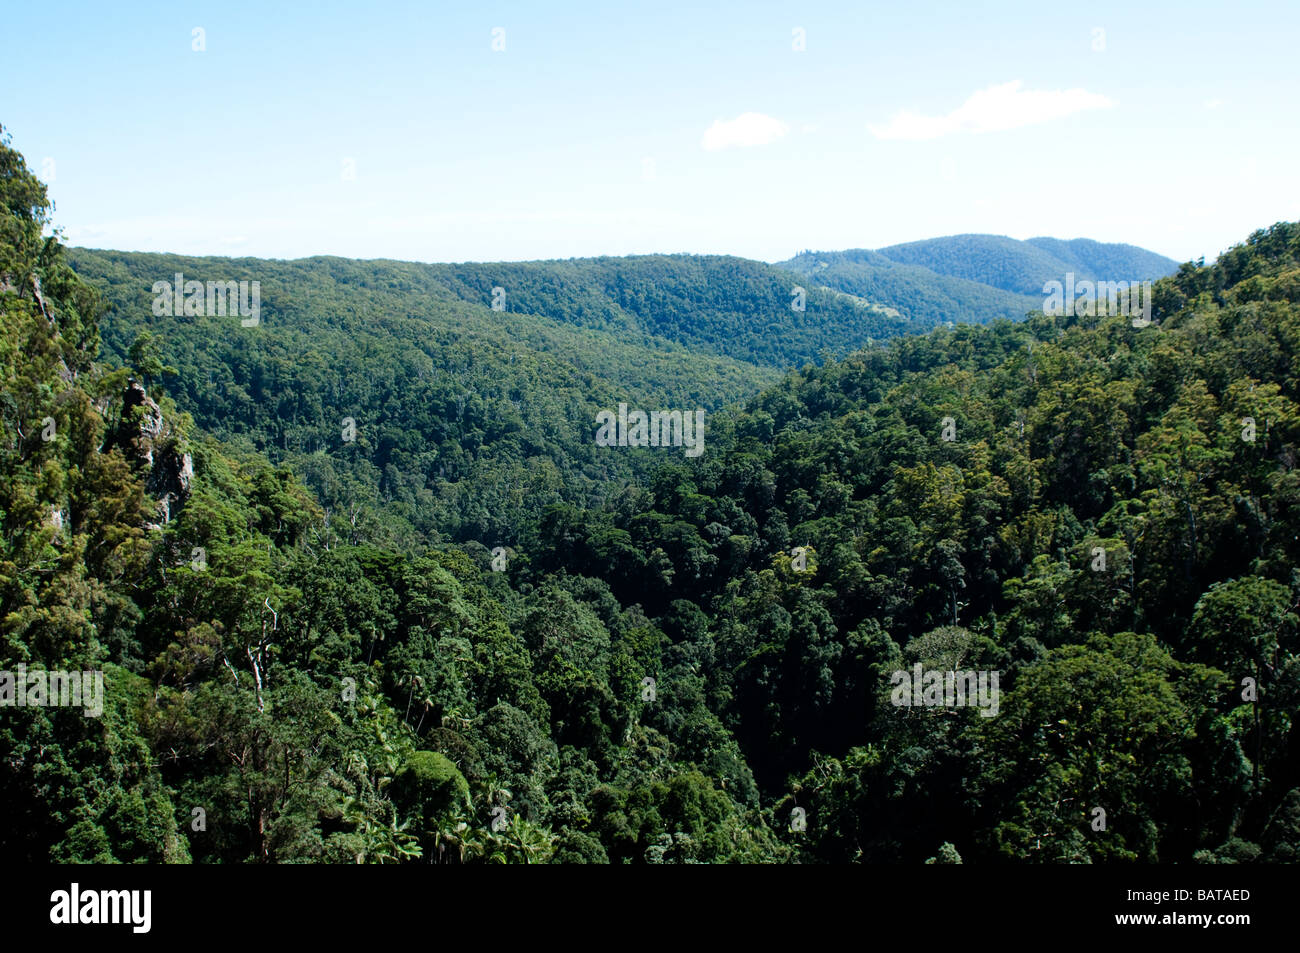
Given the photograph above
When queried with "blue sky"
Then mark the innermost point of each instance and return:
(660, 127)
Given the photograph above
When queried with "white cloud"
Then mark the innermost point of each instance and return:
(747, 129)
(1214, 103)
(992, 110)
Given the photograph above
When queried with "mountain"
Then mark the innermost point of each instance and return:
(914, 291)
(1108, 516)
(973, 278)
(443, 389)
(453, 371)
(1109, 262)
(712, 304)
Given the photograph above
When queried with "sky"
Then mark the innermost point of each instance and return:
(512, 131)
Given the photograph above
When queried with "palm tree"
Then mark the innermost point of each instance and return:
(426, 701)
(526, 843)
(455, 716)
(454, 839)
(381, 839)
(412, 679)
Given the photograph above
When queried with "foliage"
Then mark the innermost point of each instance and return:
(309, 656)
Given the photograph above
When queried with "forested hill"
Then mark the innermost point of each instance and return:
(1023, 266)
(467, 383)
(743, 309)
(1107, 514)
(468, 417)
(723, 307)
(973, 278)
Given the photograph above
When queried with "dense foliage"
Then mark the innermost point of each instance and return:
(973, 278)
(1169, 449)
(468, 419)
(677, 660)
(1023, 266)
(735, 307)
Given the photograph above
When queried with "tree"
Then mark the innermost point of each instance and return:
(146, 357)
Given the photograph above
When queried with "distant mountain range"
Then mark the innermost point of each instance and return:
(452, 366)
(972, 278)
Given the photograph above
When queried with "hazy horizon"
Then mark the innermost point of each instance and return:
(521, 261)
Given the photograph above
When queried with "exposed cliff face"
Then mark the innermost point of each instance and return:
(149, 442)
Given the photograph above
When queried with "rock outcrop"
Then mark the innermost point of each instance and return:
(150, 444)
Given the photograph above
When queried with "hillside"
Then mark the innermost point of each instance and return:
(272, 689)
(1098, 260)
(1023, 266)
(468, 419)
(1107, 515)
(712, 304)
(973, 278)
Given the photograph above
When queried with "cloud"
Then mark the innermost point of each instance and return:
(747, 129)
(992, 110)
